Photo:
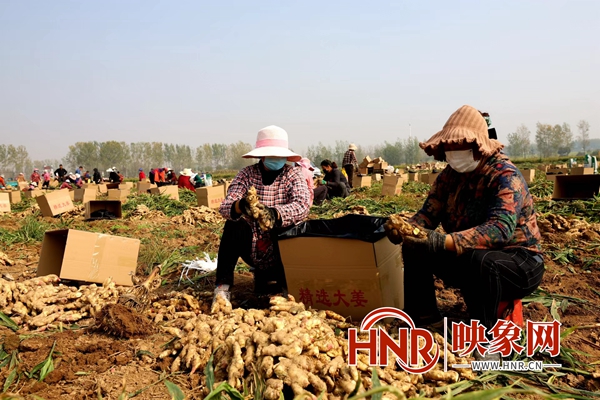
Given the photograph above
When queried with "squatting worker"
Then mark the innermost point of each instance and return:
(492, 249)
(282, 189)
(337, 184)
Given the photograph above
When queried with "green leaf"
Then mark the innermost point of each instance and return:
(9, 379)
(45, 367)
(554, 310)
(174, 390)
(376, 384)
(6, 321)
(232, 392)
(209, 372)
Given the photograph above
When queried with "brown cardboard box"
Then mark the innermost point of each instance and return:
(23, 185)
(366, 163)
(413, 177)
(543, 167)
(570, 187)
(172, 191)
(380, 165)
(360, 278)
(582, 171)
(85, 195)
(54, 183)
(4, 202)
(89, 186)
(551, 177)
(528, 174)
(112, 206)
(31, 194)
(126, 185)
(557, 171)
(103, 188)
(210, 196)
(54, 203)
(361, 181)
(15, 195)
(144, 187)
(88, 256)
(110, 185)
(363, 171)
(392, 185)
(118, 194)
(376, 177)
(71, 194)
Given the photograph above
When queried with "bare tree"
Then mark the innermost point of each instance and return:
(518, 142)
(584, 134)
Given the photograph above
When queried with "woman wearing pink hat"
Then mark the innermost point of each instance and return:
(283, 191)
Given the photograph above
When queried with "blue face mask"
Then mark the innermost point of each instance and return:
(274, 163)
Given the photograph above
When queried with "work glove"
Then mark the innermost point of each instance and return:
(392, 233)
(244, 207)
(435, 242)
(268, 219)
(323, 182)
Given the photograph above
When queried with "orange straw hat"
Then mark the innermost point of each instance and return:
(465, 125)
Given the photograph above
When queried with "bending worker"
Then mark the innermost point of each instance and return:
(491, 251)
(285, 199)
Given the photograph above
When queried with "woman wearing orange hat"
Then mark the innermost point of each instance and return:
(491, 246)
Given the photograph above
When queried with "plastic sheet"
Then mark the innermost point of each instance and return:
(351, 226)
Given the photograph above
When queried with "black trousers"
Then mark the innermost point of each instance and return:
(236, 242)
(484, 277)
(320, 195)
(349, 168)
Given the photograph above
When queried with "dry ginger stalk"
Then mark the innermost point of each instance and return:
(404, 227)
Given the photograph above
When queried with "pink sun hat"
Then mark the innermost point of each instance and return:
(272, 141)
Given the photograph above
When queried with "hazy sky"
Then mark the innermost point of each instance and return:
(198, 71)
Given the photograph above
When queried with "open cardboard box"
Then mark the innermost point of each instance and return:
(118, 194)
(361, 181)
(55, 203)
(571, 187)
(32, 194)
(582, 171)
(85, 195)
(112, 206)
(4, 202)
(392, 185)
(14, 195)
(171, 191)
(351, 277)
(88, 256)
(210, 196)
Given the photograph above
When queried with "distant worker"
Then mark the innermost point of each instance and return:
(79, 170)
(46, 177)
(349, 163)
(162, 172)
(2, 182)
(60, 173)
(184, 180)
(142, 175)
(307, 172)
(96, 178)
(21, 177)
(113, 176)
(35, 176)
(336, 182)
(87, 177)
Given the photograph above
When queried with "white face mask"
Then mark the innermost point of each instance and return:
(461, 160)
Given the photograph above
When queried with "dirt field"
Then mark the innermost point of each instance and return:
(91, 363)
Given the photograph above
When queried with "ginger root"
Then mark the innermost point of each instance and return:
(404, 227)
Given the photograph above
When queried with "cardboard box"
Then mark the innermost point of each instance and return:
(23, 185)
(380, 165)
(102, 188)
(88, 256)
(366, 163)
(54, 183)
(360, 278)
(551, 177)
(571, 187)
(144, 187)
(582, 171)
(392, 185)
(85, 195)
(71, 194)
(55, 203)
(118, 194)
(126, 186)
(14, 195)
(557, 171)
(210, 196)
(32, 194)
(413, 177)
(112, 206)
(4, 202)
(363, 171)
(114, 185)
(528, 174)
(543, 167)
(89, 186)
(172, 191)
(361, 181)
(376, 177)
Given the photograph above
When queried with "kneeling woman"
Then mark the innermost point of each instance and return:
(337, 184)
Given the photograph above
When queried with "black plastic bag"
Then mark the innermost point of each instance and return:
(101, 214)
(351, 226)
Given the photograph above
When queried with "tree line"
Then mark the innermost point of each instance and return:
(550, 140)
